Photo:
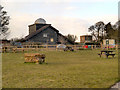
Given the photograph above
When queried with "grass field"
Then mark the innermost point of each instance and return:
(80, 69)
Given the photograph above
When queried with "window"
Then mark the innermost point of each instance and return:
(82, 38)
(44, 35)
(51, 39)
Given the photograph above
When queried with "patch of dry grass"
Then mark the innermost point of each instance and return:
(80, 69)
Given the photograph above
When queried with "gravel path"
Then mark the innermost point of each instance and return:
(117, 86)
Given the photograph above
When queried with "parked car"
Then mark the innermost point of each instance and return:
(61, 46)
(18, 44)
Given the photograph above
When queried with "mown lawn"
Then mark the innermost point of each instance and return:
(80, 69)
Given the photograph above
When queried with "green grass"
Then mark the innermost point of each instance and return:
(80, 69)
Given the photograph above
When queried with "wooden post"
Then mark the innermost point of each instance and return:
(116, 46)
(56, 47)
(4, 49)
(46, 47)
(22, 49)
(92, 47)
(107, 46)
(37, 47)
(101, 46)
(95, 46)
(74, 47)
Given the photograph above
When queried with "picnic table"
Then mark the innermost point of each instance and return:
(107, 53)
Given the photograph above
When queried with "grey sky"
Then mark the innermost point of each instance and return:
(68, 16)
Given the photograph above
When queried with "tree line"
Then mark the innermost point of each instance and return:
(101, 31)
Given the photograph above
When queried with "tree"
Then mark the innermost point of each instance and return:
(101, 31)
(72, 38)
(4, 22)
(116, 25)
(111, 31)
(93, 32)
(97, 31)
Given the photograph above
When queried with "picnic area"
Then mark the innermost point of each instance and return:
(79, 69)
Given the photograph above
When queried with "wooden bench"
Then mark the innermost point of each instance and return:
(110, 55)
(34, 57)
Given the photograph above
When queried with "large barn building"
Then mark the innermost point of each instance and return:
(45, 34)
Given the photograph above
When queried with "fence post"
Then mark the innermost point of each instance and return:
(101, 46)
(74, 47)
(36, 47)
(92, 46)
(107, 47)
(95, 46)
(116, 47)
(46, 47)
(56, 47)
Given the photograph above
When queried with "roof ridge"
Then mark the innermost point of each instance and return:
(34, 33)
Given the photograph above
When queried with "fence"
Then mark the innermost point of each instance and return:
(54, 47)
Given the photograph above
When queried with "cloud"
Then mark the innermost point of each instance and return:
(71, 8)
(25, 13)
(35, 8)
(19, 25)
(66, 25)
(105, 18)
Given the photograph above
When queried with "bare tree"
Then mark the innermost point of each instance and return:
(4, 22)
(93, 32)
(97, 31)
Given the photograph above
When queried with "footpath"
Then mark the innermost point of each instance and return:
(116, 86)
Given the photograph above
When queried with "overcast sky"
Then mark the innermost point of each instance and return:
(68, 16)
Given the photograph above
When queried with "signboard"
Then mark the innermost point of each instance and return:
(109, 42)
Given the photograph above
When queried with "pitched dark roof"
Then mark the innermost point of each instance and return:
(66, 38)
(36, 32)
